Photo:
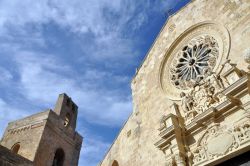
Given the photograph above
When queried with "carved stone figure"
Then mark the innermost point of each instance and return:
(211, 96)
(205, 93)
(214, 79)
(187, 104)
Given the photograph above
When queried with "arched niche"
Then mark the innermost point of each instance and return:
(58, 158)
(115, 163)
(67, 120)
(15, 148)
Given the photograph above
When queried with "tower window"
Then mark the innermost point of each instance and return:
(73, 107)
(67, 120)
(115, 163)
(15, 148)
(68, 102)
(58, 158)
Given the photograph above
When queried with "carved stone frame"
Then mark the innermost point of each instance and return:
(219, 32)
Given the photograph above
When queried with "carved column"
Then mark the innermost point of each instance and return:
(172, 141)
(180, 160)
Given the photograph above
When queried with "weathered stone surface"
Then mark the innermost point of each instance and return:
(42, 134)
(7, 158)
(223, 142)
(207, 112)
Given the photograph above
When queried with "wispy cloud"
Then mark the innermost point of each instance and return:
(88, 49)
(93, 148)
(42, 79)
(10, 113)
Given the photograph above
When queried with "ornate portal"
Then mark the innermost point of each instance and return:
(204, 86)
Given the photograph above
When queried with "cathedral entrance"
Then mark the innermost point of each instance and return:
(241, 160)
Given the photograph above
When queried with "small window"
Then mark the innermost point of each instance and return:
(115, 163)
(15, 148)
(58, 158)
(68, 102)
(67, 120)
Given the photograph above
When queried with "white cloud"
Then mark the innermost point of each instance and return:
(106, 20)
(9, 113)
(41, 76)
(42, 79)
(93, 151)
(79, 15)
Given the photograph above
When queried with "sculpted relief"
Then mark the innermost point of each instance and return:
(197, 76)
(190, 74)
(194, 56)
(219, 140)
(204, 94)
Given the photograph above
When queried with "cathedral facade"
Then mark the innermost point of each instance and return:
(191, 95)
(47, 138)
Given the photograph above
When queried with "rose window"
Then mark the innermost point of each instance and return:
(193, 61)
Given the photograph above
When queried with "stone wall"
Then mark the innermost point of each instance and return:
(7, 158)
(135, 143)
(27, 132)
(42, 134)
(55, 136)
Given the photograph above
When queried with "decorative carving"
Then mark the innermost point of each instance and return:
(19, 130)
(209, 146)
(191, 63)
(199, 49)
(187, 105)
(199, 154)
(242, 131)
(223, 142)
(25, 128)
(204, 94)
(218, 140)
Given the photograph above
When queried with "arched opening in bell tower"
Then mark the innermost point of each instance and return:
(15, 148)
(67, 120)
(58, 158)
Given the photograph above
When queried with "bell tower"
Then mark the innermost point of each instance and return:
(66, 109)
(47, 138)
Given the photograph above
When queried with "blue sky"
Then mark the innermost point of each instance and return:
(89, 49)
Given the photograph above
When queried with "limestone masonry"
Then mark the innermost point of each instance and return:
(191, 95)
(44, 139)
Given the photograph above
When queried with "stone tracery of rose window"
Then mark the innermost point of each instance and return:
(191, 63)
